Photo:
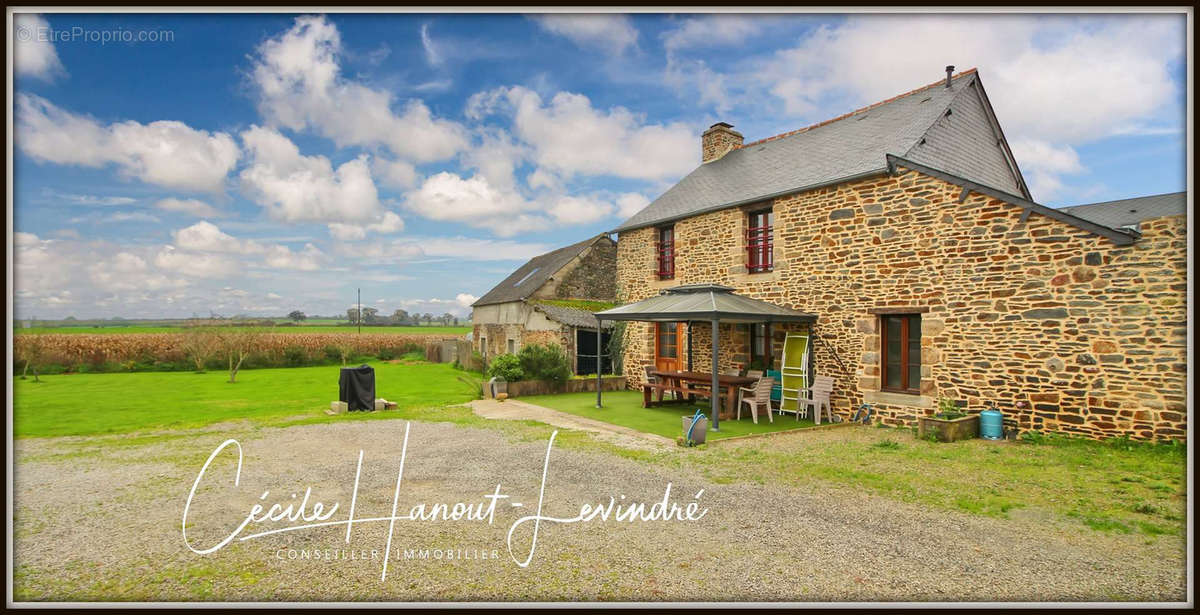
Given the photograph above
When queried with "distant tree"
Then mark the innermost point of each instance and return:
(297, 315)
(428, 318)
(400, 317)
(352, 314)
(370, 315)
(236, 344)
(70, 318)
(200, 344)
(446, 318)
(31, 348)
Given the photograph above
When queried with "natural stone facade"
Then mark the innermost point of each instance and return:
(591, 276)
(1062, 328)
(594, 278)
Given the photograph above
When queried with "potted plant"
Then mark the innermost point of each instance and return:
(949, 424)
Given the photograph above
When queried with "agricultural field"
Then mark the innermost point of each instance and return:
(305, 328)
(197, 348)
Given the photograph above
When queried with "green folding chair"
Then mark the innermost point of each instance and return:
(793, 370)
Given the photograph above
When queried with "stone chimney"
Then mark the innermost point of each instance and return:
(718, 140)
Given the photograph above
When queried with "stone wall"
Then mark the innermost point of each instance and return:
(1062, 328)
(594, 277)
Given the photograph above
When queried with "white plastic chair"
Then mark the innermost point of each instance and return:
(820, 391)
(757, 396)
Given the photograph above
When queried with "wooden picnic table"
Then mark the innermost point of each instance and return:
(692, 383)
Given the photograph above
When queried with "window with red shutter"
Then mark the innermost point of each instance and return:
(760, 243)
(665, 249)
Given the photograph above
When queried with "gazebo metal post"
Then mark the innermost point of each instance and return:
(716, 382)
(689, 343)
(599, 362)
(770, 348)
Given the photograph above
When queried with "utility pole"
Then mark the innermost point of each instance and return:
(360, 311)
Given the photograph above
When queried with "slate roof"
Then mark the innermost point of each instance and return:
(913, 125)
(1131, 212)
(532, 275)
(570, 316)
(704, 302)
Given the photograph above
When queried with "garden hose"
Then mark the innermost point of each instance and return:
(863, 414)
(695, 419)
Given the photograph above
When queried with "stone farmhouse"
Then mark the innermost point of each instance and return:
(550, 300)
(907, 228)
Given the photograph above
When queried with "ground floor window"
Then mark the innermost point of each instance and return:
(512, 346)
(901, 352)
(760, 350)
(483, 347)
(588, 355)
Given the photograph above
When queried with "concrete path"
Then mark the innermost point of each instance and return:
(516, 410)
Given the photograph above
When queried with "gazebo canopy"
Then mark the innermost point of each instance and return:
(704, 302)
(701, 302)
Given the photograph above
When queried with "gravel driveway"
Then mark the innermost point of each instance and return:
(106, 526)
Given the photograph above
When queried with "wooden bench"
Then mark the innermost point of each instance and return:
(687, 393)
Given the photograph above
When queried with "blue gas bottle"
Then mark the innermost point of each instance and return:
(991, 424)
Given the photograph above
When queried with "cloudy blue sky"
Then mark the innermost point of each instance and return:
(262, 163)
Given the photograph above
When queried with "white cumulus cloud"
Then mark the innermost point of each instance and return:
(33, 51)
(610, 33)
(164, 153)
(569, 136)
(297, 76)
(297, 188)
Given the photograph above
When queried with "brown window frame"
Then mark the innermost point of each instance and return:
(906, 361)
(671, 332)
(664, 252)
(760, 240)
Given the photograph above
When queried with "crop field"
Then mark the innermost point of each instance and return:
(303, 328)
(182, 348)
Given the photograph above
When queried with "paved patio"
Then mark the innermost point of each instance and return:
(517, 410)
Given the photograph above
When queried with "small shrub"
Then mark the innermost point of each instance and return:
(506, 366)
(948, 409)
(888, 445)
(1035, 437)
(332, 353)
(387, 354)
(547, 362)
(1145, 508)
(294, 356)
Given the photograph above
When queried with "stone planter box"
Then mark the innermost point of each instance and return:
(525, 388)
(949, 430)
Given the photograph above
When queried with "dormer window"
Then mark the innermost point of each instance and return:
(665, 250)
(760, 242)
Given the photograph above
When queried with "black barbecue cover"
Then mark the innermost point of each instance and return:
(356, 387)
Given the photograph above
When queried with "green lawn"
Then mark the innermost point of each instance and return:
(1112, 486)
(625, 408)
(82, 404)
(304, 328)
